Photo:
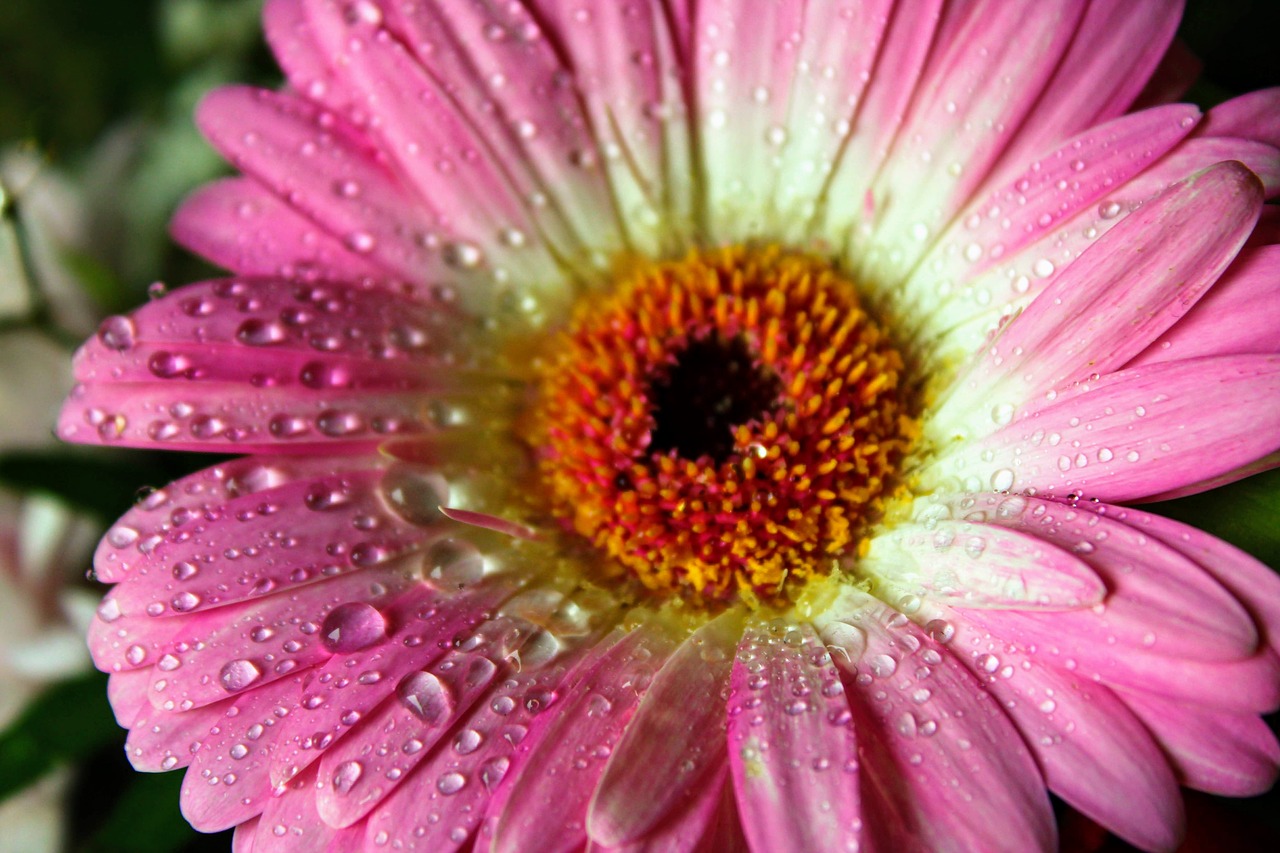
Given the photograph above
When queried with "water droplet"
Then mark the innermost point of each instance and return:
(259, 333)
(463, 255)
(346, 775)
(883, 665)
(184, 570)
(117, 333)
(353, 626)
(451, 783)
(940, 630)
(121, 536)
(426, 696)
(453, 563)
(414, 493)
(236, 675)
(467, 741)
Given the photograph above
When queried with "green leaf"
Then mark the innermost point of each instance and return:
(66, 723)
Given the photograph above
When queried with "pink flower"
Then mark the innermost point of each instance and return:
(678, 424)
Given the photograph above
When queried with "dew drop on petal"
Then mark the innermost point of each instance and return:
(451, 783)
(117, 333)
(353, 626)
(426, 696)
(236, 675)
(346, 775)
(414, 493)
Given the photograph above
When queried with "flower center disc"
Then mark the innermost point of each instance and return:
(722, 425)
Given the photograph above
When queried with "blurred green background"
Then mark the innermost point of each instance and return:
(104, 91)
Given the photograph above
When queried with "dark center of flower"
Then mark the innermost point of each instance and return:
(724, 425)
(714, 386)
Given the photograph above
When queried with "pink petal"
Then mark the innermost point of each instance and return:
(1095, 755)
(547, 804)
(270, 542)
(1257, 466)
(890, 92)
(695, 824)
(1113, 55)
(979, 86)
(1252, 116)
(338, 694)
(266, 633)
(242, 840)
(998, 229)
(1179, 68)
(792, 752)
(943, 764)
(119, 643)
(202, 497)
(1138, 432)
(422, 134)
(630, 65)
(242, 227)
(461, 780)
(331, 174)
(228, 780)
(1237, 316)
(759, 86)
(164, 740)
(127, 692)
(290, 29)
(1232, 755)
(1159, 602)
(179, 370)
(677, 744)
(357, 773)
(534, 123)
(1120, 294)
(978, 565)
(290, 822)
(1254, 584)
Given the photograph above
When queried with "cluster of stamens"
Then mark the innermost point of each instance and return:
(724, 424)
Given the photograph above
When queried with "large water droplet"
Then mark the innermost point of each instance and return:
(451, 783)
(427, 697)
(346, 775)
(236, 675)
(453, 563)
(117, 333)
(353, 626)
(414, 493)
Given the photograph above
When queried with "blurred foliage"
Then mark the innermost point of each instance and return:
(105, 89)
(65, 724)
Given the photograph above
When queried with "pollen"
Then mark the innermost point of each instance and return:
(725, 425)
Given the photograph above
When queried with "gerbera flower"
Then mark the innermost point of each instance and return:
(680, 425)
